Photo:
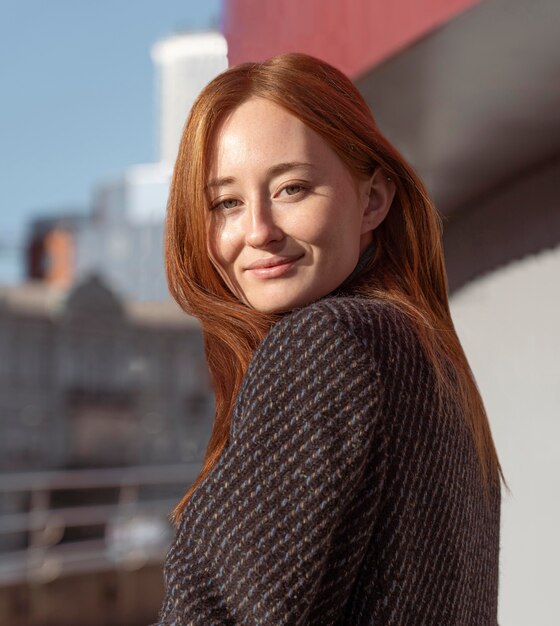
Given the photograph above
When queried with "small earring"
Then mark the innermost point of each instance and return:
(389, 178)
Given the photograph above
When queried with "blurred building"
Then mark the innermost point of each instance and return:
(88, 379)
(185, 63)
(467, 90)
(50, 249)
(100, 373)
(122, 238)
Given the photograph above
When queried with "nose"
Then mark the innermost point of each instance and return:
(261, 228)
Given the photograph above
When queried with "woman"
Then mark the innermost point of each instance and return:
(351, 477)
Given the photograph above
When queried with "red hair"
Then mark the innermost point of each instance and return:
(407, 268)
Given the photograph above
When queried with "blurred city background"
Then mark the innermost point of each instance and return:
(105, 401)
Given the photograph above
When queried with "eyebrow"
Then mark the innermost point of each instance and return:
(275, 170)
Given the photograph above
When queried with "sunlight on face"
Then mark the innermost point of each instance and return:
(286, 215)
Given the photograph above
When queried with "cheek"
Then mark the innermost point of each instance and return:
(313, 223)
(223, 244)
(328, 229)
(340, 227)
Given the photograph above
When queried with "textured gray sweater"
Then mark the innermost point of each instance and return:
(346, 494)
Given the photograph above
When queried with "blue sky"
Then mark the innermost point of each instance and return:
(78, 100)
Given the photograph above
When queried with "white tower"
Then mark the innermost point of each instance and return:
(185, 63)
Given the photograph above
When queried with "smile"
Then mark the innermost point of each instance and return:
(272, 268)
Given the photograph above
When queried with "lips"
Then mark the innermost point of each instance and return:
(272, 261)
(272, 267)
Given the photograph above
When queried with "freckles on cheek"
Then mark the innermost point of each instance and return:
(323, 233)
(212, 245)
(222, 245)
(313, 228)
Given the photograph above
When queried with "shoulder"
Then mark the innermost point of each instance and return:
(335, 333)
(367, 322)
(314, 361)
(327, 355)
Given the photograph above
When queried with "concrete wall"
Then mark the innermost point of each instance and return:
(508, 322)
(520, 218)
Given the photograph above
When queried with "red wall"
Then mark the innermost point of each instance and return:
(353, 35)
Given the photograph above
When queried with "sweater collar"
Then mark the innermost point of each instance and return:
(366, 255)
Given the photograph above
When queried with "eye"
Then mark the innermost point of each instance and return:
(228, 203)
(293, 189)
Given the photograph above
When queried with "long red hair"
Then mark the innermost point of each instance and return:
(407, 268)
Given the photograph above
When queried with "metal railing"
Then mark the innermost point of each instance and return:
(132, 526)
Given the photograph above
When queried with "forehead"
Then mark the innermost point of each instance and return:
(261, 133)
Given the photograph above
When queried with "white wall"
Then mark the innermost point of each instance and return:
(509, 324)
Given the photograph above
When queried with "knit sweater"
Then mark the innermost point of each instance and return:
(346, 495)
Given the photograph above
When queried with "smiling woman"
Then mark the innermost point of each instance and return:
(351, 477)
(284, 205)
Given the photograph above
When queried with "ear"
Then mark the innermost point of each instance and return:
(377, 194)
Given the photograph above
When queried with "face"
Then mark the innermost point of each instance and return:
(287, 220)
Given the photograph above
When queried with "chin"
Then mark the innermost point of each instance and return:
(283, 304)
(272, 307)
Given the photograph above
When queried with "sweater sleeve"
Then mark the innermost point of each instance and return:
(255, 539)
